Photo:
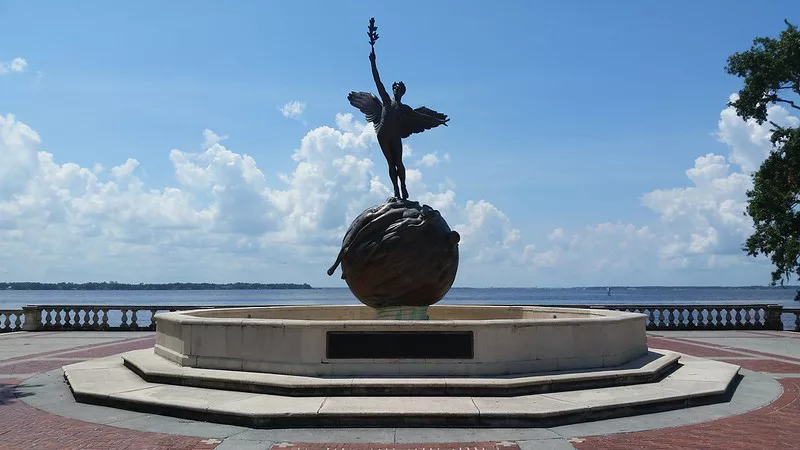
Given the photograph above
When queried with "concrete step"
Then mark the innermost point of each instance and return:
(109, 382)
(155, 369)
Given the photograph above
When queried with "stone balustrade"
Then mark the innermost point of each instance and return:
(95, 317)
(708, 317)
(659, 317)
(10, 320)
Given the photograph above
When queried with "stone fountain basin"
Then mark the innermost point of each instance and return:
(347, 341)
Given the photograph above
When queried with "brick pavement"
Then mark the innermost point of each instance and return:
(774, 426)
(25, 427)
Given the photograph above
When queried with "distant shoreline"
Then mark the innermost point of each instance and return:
(114, 286)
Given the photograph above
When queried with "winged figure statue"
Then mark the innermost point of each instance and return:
(393, 120)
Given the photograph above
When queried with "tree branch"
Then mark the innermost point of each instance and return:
(775, 98)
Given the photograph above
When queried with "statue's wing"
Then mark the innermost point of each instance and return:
(420, 119)
(368, 104)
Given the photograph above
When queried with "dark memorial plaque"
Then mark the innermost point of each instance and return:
(400, 345)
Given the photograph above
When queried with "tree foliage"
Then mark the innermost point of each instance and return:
(771, 72)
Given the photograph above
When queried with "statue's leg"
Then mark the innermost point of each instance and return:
(386, 147)
(393, 176)
(397, 156)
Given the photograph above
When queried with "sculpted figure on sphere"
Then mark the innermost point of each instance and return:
(393, 120)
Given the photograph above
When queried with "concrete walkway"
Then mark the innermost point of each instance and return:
(37, 410)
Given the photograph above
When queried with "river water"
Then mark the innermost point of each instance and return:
(10, 299)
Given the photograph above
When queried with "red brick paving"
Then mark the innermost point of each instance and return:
(439, 446)
(754, 352)
(34, 366)
(775, 426)
(766, 366)
(31, 365)
(25, 427)
(113, 349)
(58, 352)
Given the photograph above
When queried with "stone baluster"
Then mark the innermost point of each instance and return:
(134, 323)
(152, 325)
(86, 317)
(47, 319)
(95, 325)
(714, 317)
(7, 322)
(67, 319)
(651, 318)
(18, 322)
(757, 318)
(702, 317)
(123, 325)
(104, 325)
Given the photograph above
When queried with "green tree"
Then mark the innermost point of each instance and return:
(771, 72)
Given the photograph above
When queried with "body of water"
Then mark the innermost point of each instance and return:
(645, 295)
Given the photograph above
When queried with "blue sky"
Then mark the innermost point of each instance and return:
(564, 115)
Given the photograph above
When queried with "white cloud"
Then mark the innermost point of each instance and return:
(432, 159)
(223, 220)
(124, 170)
(428, 160)
(699, 226)
(228, 218)
(748, 141)
(293, 110)
(16, 65)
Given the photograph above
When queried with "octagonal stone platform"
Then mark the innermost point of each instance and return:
(335, 340)
(341, 366)
(109, 382)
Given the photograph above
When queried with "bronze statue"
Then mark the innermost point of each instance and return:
(392, 119)
(399, 253)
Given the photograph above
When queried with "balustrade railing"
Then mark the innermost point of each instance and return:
(10, 320)
(658, 317)
(708, 317)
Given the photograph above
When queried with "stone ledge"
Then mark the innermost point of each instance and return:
(108, 382)
(155, 369)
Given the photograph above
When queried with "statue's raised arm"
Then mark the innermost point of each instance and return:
(381, 88)
(373, 36)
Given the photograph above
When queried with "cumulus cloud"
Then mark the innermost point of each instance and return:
(16, 65)
(701, 225)
(293, 110)
(225, 219)
(433, 159)
(229, 218)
